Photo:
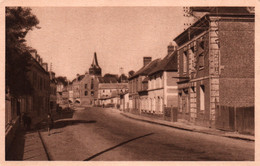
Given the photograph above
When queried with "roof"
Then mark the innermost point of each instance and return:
(107, 79)
(146, 69)
(113, 86)
(203, 24)
(79, 78)
(169, 63)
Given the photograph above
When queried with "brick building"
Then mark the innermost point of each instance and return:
(216, 64)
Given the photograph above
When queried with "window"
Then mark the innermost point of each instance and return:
(185, 61)
(200, 54)
(192, 58)
(202, 98)
(86, 86)
(92, 93)
(86, 93)
(92, 83)
(201, 60)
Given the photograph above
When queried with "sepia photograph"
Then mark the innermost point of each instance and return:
(129, 83)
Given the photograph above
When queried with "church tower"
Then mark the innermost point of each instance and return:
(94, 68)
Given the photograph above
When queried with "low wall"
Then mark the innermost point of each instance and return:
(10, 132)
(240, 119)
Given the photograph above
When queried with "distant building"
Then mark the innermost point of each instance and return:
(53, 92)
(216, 65)
(89, 84)
(76, 88)
(59, 89)
(138, 86)
(70, 90)
(108, 91)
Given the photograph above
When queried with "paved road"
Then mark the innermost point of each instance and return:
(106, 135)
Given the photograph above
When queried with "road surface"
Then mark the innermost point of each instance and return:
(103, 134)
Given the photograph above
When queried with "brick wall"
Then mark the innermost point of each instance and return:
(237, 58)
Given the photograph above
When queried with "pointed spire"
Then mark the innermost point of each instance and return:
(95, 69)
(95, 62)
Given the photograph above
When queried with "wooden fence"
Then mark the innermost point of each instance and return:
(240, 119)
(171, 114)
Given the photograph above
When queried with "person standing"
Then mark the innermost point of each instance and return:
(49, 123)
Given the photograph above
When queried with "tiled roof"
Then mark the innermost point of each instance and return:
(107, 79)
(147, 68)
(113, 86)
(169, 63)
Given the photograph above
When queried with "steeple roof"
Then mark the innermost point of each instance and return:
(95, 61)
(94, 68)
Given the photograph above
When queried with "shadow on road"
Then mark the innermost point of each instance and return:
(64, 123)
(122, 143)
(16, 150)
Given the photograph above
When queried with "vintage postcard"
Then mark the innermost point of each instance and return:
(94, 82)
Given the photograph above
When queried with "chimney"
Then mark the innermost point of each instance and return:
(40, 61)
(147, 60)
(171, 48)
(37, 57)
(34, 53)
(45, 66)
(52, 75)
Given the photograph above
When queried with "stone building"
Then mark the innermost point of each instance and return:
(89, 84)
(216, 64)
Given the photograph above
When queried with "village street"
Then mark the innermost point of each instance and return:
(104, 134)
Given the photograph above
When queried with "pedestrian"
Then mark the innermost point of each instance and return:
(24, 119)
(29, 121)
(49, 123)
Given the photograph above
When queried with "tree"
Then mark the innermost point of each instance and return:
(19, 21)
(63, 80)
(131, 73)
(122, 78)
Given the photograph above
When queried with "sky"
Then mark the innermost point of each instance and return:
(121, 36)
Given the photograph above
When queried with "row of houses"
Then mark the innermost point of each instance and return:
(207, 78)
(37, 104)
(92, 89)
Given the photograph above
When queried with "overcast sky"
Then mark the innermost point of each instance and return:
(121, 36)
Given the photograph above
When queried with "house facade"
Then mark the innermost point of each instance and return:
(108, 91)
(162, 83)
(76, 88)
(138, 86)
(215, 66)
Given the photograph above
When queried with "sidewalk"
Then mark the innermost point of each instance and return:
(27, 145)
(190, 127)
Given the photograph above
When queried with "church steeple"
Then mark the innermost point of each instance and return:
(95, 69)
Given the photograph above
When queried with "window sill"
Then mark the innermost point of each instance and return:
(201, 68)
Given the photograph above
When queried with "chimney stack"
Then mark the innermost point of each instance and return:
(45, 66)
(147, 60)
(171, 48)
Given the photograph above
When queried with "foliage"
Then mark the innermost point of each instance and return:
(19, 21)
(63, 80)
(131, 73)
(122, 78)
